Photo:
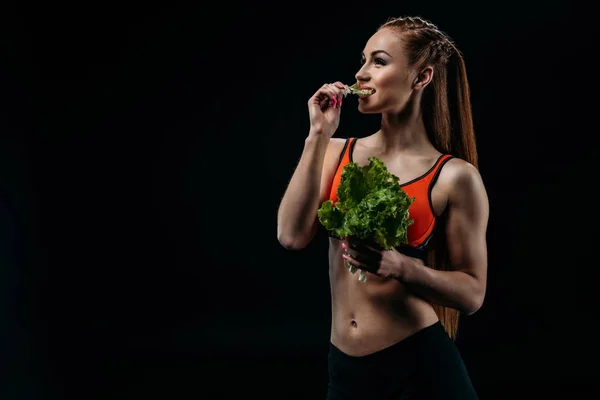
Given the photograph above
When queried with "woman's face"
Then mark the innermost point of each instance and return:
(385, 69)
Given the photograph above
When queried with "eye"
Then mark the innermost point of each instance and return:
(376, 60)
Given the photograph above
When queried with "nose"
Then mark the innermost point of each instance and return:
(362, 75)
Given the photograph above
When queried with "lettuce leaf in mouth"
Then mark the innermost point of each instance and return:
(372, 206)
(355, 89)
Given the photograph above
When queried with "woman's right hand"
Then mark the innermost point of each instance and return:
(324, 109)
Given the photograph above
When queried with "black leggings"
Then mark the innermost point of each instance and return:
(425, 365)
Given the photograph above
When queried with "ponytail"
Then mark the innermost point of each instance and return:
(448, 119)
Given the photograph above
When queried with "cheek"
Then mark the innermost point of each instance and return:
(393, 86)
(395, 93)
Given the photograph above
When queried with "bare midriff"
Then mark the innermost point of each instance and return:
(370, 316)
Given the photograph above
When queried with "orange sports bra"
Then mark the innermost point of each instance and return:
(420, 232)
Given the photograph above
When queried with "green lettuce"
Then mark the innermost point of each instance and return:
(355, 89)
(372, 206)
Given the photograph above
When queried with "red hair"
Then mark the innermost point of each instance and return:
(448, 119)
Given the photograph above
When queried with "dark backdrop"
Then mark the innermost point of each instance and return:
(144, 149)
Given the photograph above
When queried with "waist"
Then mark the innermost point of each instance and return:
(394, 352)
(367, 328)
(367, 316)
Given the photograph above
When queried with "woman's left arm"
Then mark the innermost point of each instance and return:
(464, 286)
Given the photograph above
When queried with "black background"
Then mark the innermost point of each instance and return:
(144, 149)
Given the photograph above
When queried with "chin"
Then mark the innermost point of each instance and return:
(365, 108)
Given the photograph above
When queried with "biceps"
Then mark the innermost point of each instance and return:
(329, 169)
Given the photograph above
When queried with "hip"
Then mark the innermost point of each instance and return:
(424, 365)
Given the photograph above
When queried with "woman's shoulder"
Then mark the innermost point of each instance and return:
(460, 176)
(456, 169)
(337, 141)
(336, 145)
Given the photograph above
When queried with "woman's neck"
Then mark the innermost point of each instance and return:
(402, 134)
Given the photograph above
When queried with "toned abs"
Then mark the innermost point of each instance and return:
(370, 316)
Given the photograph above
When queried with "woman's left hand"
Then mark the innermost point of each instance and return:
(384, 263)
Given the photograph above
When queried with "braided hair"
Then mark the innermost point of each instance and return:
(447, 117)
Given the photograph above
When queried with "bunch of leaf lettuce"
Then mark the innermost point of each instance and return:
(372, 206)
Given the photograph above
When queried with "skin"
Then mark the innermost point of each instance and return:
(394, 303)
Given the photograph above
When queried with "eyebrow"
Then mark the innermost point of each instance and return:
(377, 52)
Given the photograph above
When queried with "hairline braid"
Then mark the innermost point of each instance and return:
(439, 40)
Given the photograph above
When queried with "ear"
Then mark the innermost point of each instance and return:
(423, 78)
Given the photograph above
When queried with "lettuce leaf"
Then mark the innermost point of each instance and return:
(372, 206)
(355, 89)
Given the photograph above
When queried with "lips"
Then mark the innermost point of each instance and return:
(365, 87)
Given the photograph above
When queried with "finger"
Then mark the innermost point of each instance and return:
(339, 85)
(338, 91)
(363, 247)
(324, 97)
(332, 95)
(336, 87)
(323, 91)
(330, 99)
(353, 262)
(335, 94)
(362, 257)
(370, 248)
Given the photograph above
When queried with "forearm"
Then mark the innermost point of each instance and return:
(454, 289)
(297, 211)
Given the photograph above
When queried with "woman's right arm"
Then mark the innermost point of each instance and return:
(297, 220)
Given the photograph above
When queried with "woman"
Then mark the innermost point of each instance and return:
(392, 335)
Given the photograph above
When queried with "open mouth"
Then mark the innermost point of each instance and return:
(361, 92)
(366, 92)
